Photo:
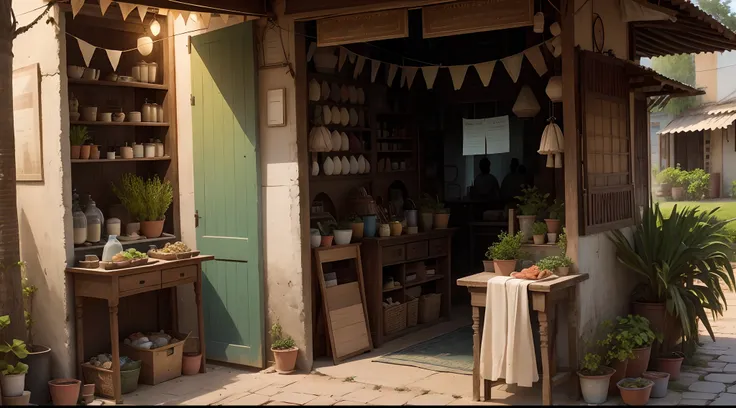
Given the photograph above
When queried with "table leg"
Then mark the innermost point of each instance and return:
(115, 341)
(174, 309)
(476, 353)
(572, 341)
(200, 319)
(79, 312)
(486, 383)
(544, 346)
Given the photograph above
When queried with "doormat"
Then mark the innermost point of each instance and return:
(450, 353)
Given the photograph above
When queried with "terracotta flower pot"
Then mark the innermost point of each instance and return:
(639, 363)
(563, 271)
(191, 362)
(661, 382)
(487, 265)
(678, 193)
(152, 229)
(671, 365)
(553, 225)
(20, 400)
(396, 229)
(285, 360)
(358, 228)
(655, 313)
(85, 151)
(326, 241)
(64, 391)
(441, 220)
(595, 387)
(87, 389)
(94, 152)
(504, 268)
(665, 190)
(427, 221)
(620, 367)
(538, 239)
(76, 152)
(635, 396)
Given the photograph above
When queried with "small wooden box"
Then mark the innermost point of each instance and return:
(161, 364)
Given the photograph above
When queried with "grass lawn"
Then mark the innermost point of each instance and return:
(726, 208)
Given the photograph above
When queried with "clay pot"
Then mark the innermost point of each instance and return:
(64, 391)
(563, 271)
(94, 152)
(358, 228)
(327, 241)
(504, 268)
(285, 360)
(595, 387)
(441, 220)
(12, 384)
(85, 151)
(671, 365)
(538, 239)
(678, 193)
(487, 265)
(87, 389)
(553, 225)
(191, 362)
(620, 367)
(21, 400)
(396, 229)
(76, 152)
(342, 237)
(152, 229)
(635, 396)
(525, 225)
(665, 190)
(551, 237)
(427, 221)
(660, 380)
(384, 230)
(639, 363)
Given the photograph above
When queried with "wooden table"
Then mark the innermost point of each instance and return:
(115, 284)
(545, 296)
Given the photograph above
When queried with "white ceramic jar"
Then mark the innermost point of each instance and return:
(113, 226)
(149, 150)
(143, 66)
(159, 113)
(154, 112)
(152, 68)
(159, 149)
(137, 150)
(147, 112)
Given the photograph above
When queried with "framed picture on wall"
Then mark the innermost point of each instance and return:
(27, 123)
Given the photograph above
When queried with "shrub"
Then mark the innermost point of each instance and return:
(507, 248)
(557, 210)
(539, 228)
(562, 241)
(531, 201)
(145, 200)
(698, 184)
(278, 340)
(670, 175)
(551, 263)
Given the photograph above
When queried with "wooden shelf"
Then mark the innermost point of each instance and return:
(323, 177)
(99, 123)
(431, 278)
(346, 128)
(392, 289)
(140, 159)
(392, 139)
(163, 238)
(331, 103)
(139, 85)
(395, 151)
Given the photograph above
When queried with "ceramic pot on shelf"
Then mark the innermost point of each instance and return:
(159, 149)
(315, 238)
(525, 225)
(147, 112)
(384, 230)
(343, 237)
(143, 66)
(369, 226)
(94, 153)
(126, 152)
(85, 151)
(553, 225)
(138, 150)
(551, 237)
(149, 150)
(12, 384)
(152, 229)
(152, 71)
(76, 152)
(427, 221)
(73, 104)
(154, 112)
(89, 113)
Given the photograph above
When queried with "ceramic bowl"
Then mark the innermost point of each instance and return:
(123, 78)
(118, 117)
(104, 116)
(91, 74)
(134, 116)
(112, 77)
(74, 71)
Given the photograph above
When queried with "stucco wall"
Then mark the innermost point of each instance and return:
(616, 37)
(728, 175)
(44, 208)
(706, 75)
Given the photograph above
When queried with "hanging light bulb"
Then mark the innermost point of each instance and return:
(145, 45)
(155, 27)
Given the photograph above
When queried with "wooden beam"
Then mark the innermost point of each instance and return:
(674, 48)
(570, 93)
(683, 40)
(679, 31)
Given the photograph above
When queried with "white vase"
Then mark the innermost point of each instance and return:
(13, 385)
(411, 218)
(316, 238)
(342, 237)
(525, 225)
(551, 237)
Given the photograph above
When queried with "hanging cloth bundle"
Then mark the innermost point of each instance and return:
(552, 144)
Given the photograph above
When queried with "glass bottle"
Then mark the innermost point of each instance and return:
(94, 222)
(80, 221)
(112, 248)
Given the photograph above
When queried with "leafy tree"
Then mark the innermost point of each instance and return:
(679, 67)
(721, 11)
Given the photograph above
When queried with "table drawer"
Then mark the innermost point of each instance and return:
(438, 246)
(178, 276)
(416, 250)
(393, 254)
(140, 282)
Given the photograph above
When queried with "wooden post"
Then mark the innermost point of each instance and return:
(573, 201)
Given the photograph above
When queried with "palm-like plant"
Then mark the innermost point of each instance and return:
(682, 260)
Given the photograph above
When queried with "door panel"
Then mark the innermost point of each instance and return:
(226, 179)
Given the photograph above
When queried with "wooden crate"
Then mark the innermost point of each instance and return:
(161, 364)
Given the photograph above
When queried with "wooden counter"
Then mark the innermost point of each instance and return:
(115, 284)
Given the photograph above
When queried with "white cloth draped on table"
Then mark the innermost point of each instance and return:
(507, 349)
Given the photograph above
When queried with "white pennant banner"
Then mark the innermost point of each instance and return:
(375, 64)
(343, 56)
(206, 17)
(88, 50)
(430, 74)
(104, 4)
(352, 56)
(358, 66)
(310, 52)
(513, 65)
(142, 10)
(410, 73)
(535, 57)
(402, 80)
(185, 16)
(224, 17)
(126, 8)
(76, 6)
(114, 57)
(392, 68)
(485, 71)
(457, 72)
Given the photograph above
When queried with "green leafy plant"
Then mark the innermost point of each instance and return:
(278, 340)
(18, 348)
(531, 201)
(135, 254)
(619, 344)
(638, 328)
(670, 175)
(429, 204)
(562, 241)
(636, 383)
(145, 200)
(553, 262)
(592, 365)
(682, 260)
(557, 210)
(355, 219)
(507, 248)
(733, 188)
(78, 135)
(327, 228)
(29, 291)
(539, 228)
(698, 184)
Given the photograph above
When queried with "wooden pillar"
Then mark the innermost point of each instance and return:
(573, 200)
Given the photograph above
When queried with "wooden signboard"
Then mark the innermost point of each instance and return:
(353, 28)
(475, 16)
(27, 120)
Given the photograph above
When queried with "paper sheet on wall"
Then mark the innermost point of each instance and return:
(486, 136)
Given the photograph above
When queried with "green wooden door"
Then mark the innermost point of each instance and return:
(226, 187)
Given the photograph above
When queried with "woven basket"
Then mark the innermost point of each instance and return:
(412, 312)
(394, 318)
(429, 307)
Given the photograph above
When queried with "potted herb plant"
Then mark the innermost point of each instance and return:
(560, 265)
(671, 363)
(78, 135)
(343, 233)
(666, 179)
(13, 378)
(284, 350)
(635, 391)
(531, 203)
(539, 229)
(594, 379)
(39, 356)
(642, 337)
(327, 230)
(427, 207)
(356, 223)
(556, 215)
(679, 181)
(618, 346)
(506, 252)
(146, 201)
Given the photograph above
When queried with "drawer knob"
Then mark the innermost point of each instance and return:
(141, 282)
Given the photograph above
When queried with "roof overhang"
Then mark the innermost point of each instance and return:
(708, 117)
(237, 7)
(689, 31)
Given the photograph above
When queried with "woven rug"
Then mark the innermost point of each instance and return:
(451, 353)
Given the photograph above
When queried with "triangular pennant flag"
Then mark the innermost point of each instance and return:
(457, 72)
(430, 74)
(114, 57)
(185, 16)
(513, 65)
(410, 73)
(343, 56)
(352, 56)
(392, 68)
(142, 10)
(535, 57)
(402, 81)
(174, 14)
(359, 67)
(485, 71)
(104, 4)
(206, 17)
(311, 51)
(88, 50)
(550, 45)
(224, 17)
(126, 8)
(76, 6)
(193, 17)
(239, 18)
(375, 64)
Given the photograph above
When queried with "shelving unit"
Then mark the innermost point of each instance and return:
(140, 85)
(100, 123)
(111, 161)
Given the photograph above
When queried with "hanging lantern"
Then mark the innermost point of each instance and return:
(539, 22)
(155, 27)
(558, 160)
(550, 161)
(554, 89)
(555, 29)
(526, 105)
(145, 45)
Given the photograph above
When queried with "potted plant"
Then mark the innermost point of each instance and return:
(191, 363)
(635, 391)
(146, 201)
(343, 233)
(594, 379)
(326, 229)
(556, 215)
(661, 382)
(531, 202)
(356, 223)
(13, 378)
(441, 216)
(636, 328)
(618, 345)
(680, 181)
(560, 265)
(666, 179)
(39, 356)
(671, 363)
(506, 252)
(428, 206)
(78, 135)
(539, 229)
(284, 350)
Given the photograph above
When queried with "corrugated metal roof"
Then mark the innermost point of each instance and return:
(708, 117)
